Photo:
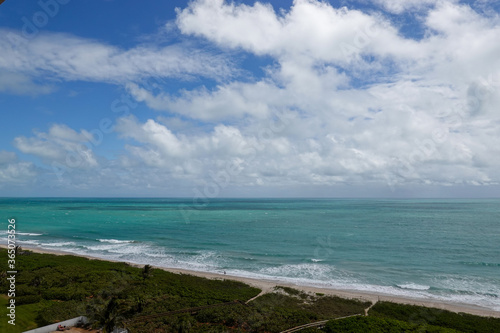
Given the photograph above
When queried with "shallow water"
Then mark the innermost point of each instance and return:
(448, 250)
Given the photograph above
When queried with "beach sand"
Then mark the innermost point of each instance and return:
(268, 286)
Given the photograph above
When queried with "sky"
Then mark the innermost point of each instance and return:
(211, 98)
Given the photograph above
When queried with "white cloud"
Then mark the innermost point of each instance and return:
(417, 121)
(154, 134)
(19, 84)
(13, 171)
(313, 32)
(180, 153)
(310, 30)
(61, 56)
(366, 152)
(7, 157)
(233, 100)
(363, 105)
(400, 6)
(61, 145)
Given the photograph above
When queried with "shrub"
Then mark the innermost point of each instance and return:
(28, 299)
(379, 325)
(431, 316)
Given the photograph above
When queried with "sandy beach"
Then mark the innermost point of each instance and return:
(268, 286)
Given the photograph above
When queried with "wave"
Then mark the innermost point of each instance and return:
(58, 244)
(28, 234)
(315, 274)
(448, 288)
(116, 241)
(413, 286)
(121, 248)
(479, 263)
(310, 274)
(467, 285)
(317, 260)
(29, 242)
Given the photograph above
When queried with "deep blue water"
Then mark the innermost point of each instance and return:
(443, 249)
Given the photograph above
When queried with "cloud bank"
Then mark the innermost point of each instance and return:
(345, 100)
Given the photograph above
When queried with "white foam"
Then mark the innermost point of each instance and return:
(115, 241)
(316, 276)
(201, 261)
(470, 285)
(204, 261)
(446, 288)
(413, 286)
(58, 244)
(130, 250)
(477, 299)
(29, 242)
(119, 248)
(28, 234)
(317, 260)
(313, 272)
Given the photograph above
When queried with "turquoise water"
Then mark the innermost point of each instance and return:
(448, 250)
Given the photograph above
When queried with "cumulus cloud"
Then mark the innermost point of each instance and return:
(417, 121)
(182, 154)
(319, 70)
(13, 171)
(347, 99)
(311, 30)
(417, 149)
(61, 145)
(234, 100)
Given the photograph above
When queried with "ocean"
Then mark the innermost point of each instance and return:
(445, 250)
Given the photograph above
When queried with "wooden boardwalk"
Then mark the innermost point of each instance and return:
(323, 322)
(315, 324)
(198, 308)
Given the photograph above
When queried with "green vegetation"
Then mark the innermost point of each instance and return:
(380, 325)
(52, 288)
(428, 316)
(25, 317)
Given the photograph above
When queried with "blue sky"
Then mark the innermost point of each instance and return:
(210, 98)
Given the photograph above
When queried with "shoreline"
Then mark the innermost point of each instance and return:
(268, 286)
